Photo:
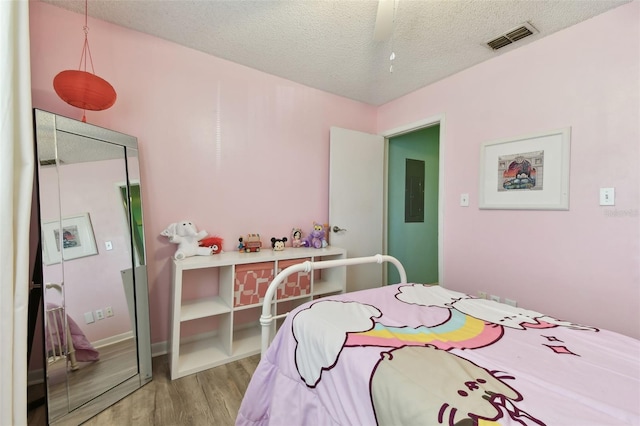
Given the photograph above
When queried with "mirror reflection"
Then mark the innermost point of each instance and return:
(92, 239)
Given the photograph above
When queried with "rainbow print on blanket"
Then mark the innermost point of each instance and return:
(460, 331)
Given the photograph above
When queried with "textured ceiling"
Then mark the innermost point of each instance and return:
(329, 44)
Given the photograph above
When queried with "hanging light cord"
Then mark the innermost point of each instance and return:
(86, 50)
(393, 27)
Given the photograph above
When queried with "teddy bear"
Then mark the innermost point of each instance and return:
(316, 238)
(187, 237)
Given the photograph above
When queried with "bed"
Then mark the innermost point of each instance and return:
(410, 354)
(64, 339)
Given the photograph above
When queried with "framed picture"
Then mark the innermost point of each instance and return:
(527, 173)
(76, 239)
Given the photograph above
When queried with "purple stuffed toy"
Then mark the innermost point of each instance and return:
(316, 238)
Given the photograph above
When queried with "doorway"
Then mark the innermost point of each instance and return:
(413, 203)
(135, 202)
(355, 154)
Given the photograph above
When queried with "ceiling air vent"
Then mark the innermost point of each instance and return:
(49, 162)
(511, 36)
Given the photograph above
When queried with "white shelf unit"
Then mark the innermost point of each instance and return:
(227, 338)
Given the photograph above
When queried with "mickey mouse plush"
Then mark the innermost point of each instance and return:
(278, 244)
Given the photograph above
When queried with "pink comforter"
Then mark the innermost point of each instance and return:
(421, 355)
(85, 352)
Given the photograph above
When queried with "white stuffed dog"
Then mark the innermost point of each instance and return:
(184, 234)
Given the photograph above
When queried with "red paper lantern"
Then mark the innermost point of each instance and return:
(84, 90)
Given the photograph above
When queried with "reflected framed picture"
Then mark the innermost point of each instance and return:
(75, 239)
(526, 173)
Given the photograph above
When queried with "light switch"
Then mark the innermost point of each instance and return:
(108, 245)
(464, 200)
(607, 196)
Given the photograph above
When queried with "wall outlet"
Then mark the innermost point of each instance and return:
(510, 302)
(482, 294)
(88, 317)
(99, 314)
(495, 298)
(108, 311)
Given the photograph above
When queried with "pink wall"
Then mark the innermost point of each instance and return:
(583, 264)
(236, 151)
(233, 149)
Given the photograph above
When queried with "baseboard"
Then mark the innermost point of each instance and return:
(112, 340)
(159, 348)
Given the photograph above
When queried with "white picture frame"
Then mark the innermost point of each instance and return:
(526, 173)
(78, 239)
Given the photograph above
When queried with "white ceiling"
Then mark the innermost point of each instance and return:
(329, 44)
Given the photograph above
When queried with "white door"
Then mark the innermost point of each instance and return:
(356, 197)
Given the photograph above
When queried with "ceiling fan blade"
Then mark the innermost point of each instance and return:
(384, 20)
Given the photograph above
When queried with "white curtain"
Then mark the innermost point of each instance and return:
(16, 180)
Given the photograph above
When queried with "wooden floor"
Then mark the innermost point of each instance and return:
(211, 397)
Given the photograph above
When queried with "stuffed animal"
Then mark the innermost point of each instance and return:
(296, 237)
(214, 243)
(187, 237)
(278, 244)
(316, 238)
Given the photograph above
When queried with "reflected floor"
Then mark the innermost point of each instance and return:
(117, 363)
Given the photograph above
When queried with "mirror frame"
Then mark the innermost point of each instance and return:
(46, 124)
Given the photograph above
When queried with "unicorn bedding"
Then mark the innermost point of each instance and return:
(412, 354)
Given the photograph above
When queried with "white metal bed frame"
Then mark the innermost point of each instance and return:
(267, 319)
(61, 346)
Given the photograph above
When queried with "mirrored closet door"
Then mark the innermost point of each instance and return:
(94, 288)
